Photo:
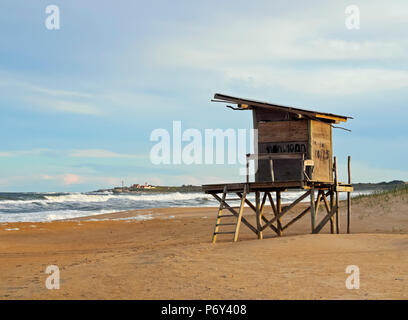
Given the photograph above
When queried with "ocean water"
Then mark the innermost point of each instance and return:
(36, 207)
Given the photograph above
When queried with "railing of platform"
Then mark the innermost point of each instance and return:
(281, 156)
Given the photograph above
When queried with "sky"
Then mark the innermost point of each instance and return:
(78, 104)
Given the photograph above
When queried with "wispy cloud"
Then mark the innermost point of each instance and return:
(12, 80)
(278, 40)
(324, 81)
(101, 153)
(16, 153)
(75, 153)
(45, 97)
(60, 105)
(57, 92)
(310, 53)
(6, 154)
(70, 178)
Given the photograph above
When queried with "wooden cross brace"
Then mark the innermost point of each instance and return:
(258, 209)
(286, 210)
(262, 208)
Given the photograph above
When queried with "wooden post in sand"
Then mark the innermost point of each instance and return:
(258, 214)
(279, 211)
(336, 182)
(312, 208)
(348, 195)
(332, 225)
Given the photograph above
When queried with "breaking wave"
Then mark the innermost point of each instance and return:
(36, 207)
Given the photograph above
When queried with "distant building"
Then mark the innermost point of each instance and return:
(139, 186)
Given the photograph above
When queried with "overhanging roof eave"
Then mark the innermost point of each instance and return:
(254, 104)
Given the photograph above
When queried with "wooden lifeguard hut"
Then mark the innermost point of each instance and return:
(293, 150)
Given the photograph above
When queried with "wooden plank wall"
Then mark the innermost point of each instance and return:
(321, 150)
(280, 132)
(283, 131)
(281, 137)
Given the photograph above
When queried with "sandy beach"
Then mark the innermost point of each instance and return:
(170, 256)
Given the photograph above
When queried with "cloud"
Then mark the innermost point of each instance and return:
(5, 154)
(64, 105)
(270, 42)
(16, 153)
(70, 178)
(12, 80)
(49, 98)
(308, 52)
(58, 180)
(100, 153)
(322, 81)
(46, 177)
(106, 101)
(75, 153)
(56, 92)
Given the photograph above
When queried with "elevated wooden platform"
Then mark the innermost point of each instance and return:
(327, 195)
(277, 186)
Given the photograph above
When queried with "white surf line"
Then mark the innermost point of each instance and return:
(137, 218)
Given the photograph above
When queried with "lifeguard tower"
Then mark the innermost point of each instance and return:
(293, 150)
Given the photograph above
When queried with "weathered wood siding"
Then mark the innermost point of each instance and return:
(283, 131)
(263, 114)
(322, 153)
(286, 136)
(281, 137)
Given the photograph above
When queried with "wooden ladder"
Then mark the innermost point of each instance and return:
(234, 214)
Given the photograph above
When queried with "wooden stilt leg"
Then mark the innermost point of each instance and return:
(241, 209)
(348, 196)
(348, 211)
(332, 222)
(317, 205)
(337, 214)
(258, 214)
(261, 210)
(263, 204)
(312, 208)
(336, 181)
(279, 210)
